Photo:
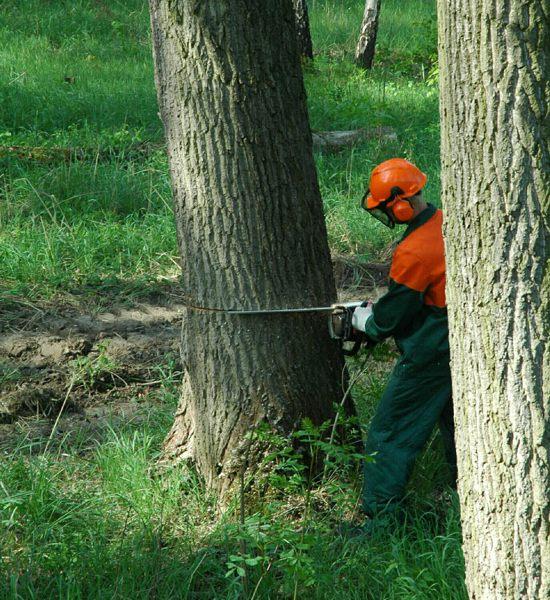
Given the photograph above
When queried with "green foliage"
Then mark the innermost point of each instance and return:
(108, 521)
(8, 374)
(87, 370)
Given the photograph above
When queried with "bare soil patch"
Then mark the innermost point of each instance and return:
(98, 364)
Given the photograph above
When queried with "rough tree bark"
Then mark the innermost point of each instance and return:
(364, 53)
(302, 29)
(250, 226)
(494, 68)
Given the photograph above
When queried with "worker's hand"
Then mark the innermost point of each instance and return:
(360, 316)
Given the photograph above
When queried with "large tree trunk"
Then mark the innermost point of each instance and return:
(302, 28)
(250, 226)
(494, 62)
(364, 53)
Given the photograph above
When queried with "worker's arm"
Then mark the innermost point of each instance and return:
(394, 311)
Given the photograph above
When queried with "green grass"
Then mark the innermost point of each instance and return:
(65, 226)
(77, 225)
(103, 45)
(97, 517)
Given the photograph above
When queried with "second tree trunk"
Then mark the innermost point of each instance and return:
(494, 63)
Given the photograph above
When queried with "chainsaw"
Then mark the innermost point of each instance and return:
(339, 322)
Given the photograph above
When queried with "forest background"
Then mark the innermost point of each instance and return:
(86, 230)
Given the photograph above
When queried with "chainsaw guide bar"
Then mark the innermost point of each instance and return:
(308, 309)
(274, 311)
(340, 321)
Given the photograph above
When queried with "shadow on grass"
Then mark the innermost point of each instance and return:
(421, 559)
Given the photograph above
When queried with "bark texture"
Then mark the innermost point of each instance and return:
(302, 28)
(364, 53)
(250, 226)
(494, 63)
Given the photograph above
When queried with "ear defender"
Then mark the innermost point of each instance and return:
(400, 207)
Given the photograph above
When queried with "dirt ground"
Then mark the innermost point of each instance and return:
(96, 366)
(101, 365)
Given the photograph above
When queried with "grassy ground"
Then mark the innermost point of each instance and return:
(95, 516)
(79, 74)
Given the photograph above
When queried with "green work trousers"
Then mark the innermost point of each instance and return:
(413, 403)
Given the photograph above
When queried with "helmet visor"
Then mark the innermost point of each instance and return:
(379, 212)
(365, 200)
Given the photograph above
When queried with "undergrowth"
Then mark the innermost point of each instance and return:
(100, 517)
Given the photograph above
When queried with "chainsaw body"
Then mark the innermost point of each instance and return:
(340, 327)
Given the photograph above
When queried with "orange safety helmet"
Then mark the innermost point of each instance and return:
(391, 183)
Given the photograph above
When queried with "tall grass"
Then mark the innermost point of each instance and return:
(98, 517)
(81, 225)
(79, 74)
(76, 72)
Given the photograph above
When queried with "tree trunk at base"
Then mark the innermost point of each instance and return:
(250, 225)
(364, 53)
(494, 63)
(302, 28)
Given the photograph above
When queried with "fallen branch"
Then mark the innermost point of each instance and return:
(350, 273)
(337, 140)
(331, 141)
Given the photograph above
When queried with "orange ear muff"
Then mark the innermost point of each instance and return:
(401, 209)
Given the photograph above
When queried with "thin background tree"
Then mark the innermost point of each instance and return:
(364, 52)
(302, 29)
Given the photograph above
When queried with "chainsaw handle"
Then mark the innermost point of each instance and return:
(354, 350)
(340, 327)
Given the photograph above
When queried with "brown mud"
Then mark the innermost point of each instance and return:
(97, 364)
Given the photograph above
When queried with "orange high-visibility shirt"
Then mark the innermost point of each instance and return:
(413, 310)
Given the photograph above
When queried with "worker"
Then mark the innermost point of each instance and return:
(413, 312)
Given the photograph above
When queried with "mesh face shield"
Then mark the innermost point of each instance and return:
(379, 212)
